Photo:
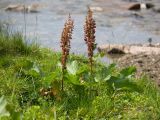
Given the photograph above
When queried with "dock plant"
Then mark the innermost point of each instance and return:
(89, 36)
(66, 36)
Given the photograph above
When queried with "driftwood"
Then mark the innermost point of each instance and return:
(129, 49)
(21, 8)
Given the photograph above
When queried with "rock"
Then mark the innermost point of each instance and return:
(97, 9)
(139, 6)
(130, 0)
(135, 7)
(115, 51)
(156, 10)
(136, 15)
(149, 5)
(21, 8)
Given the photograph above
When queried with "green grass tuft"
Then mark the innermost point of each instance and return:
(14, 44)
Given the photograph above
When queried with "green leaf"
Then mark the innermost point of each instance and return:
(28, 64)
(72, 68)
(73, 79)
(128, 71)
(107, 78)
(15, 115)
(97, 79)
(49, 79)
(97, 56)
(36, 68)
(83, 69)
(3, 104)
(59, 65)
(101, 79)
(105, 73)
(123, 84)
(34, 71)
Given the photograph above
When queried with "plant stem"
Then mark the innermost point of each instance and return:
(62, 79)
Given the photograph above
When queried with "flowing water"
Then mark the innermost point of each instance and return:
(114, 24)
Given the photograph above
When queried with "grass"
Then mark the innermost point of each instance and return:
(30, 81)
(15, 44)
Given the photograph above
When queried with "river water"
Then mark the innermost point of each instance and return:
(114, 24)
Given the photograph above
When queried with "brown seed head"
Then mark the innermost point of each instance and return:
(66, 36)
(89, 30)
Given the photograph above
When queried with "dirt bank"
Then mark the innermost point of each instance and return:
(145, 64)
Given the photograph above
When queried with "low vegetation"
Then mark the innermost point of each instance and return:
(31, 85)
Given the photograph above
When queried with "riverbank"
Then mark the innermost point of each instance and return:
(146, 64)
(145, 57)
(30, 82)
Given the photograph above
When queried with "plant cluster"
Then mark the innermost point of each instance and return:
(89, 37)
